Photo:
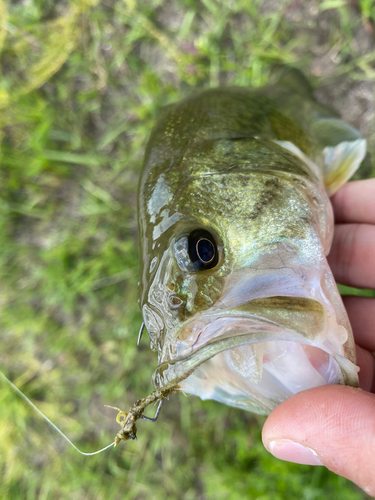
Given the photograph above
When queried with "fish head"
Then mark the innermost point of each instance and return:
(236, 292)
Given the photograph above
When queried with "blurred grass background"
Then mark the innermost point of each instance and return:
(81, 84)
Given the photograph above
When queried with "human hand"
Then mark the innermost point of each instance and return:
(335, 425)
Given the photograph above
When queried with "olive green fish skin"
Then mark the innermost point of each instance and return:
(203, 168)
(212, 163)
(234, 113)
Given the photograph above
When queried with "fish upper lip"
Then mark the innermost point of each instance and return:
(236, 316)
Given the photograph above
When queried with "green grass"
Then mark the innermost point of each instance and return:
(81, 84)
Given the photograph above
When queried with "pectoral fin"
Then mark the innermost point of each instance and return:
(340, 163)
(343, 151)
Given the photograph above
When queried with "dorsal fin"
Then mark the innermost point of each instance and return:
(294, 79)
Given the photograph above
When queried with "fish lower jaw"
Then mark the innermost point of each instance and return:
(256, 374)
(258, 377)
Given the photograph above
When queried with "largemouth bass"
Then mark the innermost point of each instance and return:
(235, 225)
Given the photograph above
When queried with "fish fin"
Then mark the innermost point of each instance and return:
(343, 150)
(332, 131)
(294, 79)
(340, 163)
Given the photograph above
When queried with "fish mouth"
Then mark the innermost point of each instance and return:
(256, 355)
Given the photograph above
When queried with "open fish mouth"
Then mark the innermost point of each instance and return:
(278, 328)
(249, 358)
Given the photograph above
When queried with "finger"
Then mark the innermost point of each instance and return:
(366, 363)
(352, 257)
(355, 202)
(332, 426)
(361, 312)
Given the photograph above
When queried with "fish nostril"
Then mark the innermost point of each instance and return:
(175, 302)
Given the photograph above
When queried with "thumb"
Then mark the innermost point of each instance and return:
(332, 426)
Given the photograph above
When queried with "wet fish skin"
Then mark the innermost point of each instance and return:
(249, 166)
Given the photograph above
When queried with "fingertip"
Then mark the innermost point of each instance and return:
(334, 425)
(290, 451)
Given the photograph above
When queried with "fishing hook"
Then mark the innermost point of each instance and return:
(140, 333)
(156, 414)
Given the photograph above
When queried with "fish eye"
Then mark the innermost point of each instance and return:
(202, 249)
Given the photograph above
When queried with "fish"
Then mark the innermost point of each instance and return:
(235, 225)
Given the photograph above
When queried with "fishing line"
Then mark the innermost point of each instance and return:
(25, 398)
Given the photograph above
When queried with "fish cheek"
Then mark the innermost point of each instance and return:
(198, 291)
(183, 288)
(209, 290)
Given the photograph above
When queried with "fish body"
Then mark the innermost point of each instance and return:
(235, 225)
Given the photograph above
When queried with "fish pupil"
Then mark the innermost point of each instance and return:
(205, 250)
(202, 249)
